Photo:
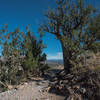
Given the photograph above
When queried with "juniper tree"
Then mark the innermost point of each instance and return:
(11, 41)
(23, 44)
(94, 26)
(33, 51)
(69, 22)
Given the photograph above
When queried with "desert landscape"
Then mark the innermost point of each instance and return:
(50, 50)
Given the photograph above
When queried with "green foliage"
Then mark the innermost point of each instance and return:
(30, 64)
(33, 52)
(11, 41)
(94, 26)
(97, 68)
(25, 44)
(11, 71)
(23, 56)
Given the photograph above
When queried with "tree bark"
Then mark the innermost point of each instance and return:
(66, 60)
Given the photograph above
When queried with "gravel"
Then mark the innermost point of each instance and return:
(30, 91)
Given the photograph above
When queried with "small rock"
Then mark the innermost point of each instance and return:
(55, 79)
(39, 83)
(83, 90)
(40, 91)
(20, 87)
(10, 87)
(69, 98)
(25, 83)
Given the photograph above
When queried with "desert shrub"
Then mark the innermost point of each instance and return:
(22, 53)
(23, 44)
(43, 68)
(97, 68)
(11, 71)
(30, 65)
(33, 54)
(3, 87)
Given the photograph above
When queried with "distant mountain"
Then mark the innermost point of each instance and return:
(54, 62)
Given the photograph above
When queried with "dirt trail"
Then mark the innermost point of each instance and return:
(37, 89)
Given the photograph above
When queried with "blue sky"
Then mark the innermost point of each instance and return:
(23, 12)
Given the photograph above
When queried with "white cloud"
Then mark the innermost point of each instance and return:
(56, 56)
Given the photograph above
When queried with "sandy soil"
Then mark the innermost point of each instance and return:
(32, 90)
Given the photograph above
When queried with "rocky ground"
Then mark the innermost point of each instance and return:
(57, 85)
(79, 86)
(34, 89)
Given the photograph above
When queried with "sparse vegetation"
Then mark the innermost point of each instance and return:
(97, 68)
(77, 26)
(22, 55)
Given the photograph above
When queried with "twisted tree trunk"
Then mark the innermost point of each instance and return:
(66, 60)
